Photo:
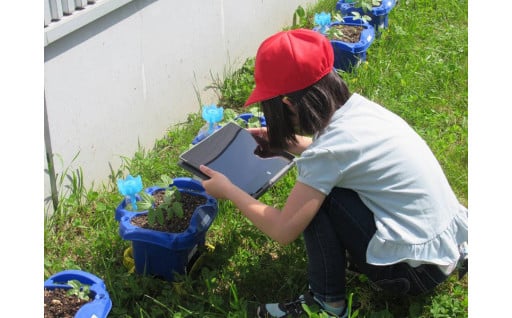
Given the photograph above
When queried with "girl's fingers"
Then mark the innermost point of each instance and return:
(207, 171)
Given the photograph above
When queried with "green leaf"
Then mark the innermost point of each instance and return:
(229, 115)
(254, 122)
(75, 284)
(160, 217)
(307, 310)
(298, 15)
(151, 217)
(255, 110)
(168, 181)
(176, 194)
(144, 196)
(337, 17)
(300, 11)
(178, 210)
(143, 205)
(240, 122)
(168, 198)
(146, 201)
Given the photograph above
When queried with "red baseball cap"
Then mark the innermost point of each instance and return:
(289, 61)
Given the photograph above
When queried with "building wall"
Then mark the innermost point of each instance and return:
(124, 79)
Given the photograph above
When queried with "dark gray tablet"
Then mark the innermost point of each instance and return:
(232, 150)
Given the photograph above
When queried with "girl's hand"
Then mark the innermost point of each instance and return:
(259, 133)
(261, 136)
(264, 151)
(218, 185)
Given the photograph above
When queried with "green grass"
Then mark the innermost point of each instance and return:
(417, 68)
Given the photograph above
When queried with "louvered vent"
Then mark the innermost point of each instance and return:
(55, 10)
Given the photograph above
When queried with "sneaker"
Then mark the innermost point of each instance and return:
(462, 264)
(295, 309)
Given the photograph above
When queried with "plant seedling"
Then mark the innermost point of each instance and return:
(166, 208)
(358, 16)
(366, 6)
(232, 116)
(78, 289)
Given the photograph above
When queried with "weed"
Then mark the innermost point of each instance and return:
(236, 86)
(322, 314)
(300, 19)
(68, 185)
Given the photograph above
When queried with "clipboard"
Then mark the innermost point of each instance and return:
(231, 150)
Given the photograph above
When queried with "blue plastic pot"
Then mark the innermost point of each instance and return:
(100, 305)
(379, 15)
(248, 116)
(162, 254)
(347, 55)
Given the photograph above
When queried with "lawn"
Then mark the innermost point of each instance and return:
(417, 68)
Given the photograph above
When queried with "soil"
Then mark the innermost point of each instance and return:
(57, 304)
(351, 34)
(189, 203)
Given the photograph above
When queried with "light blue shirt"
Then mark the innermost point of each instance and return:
(374, 152)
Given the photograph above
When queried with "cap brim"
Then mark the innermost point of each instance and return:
(259, 95)
(256, 96)
(253, 98)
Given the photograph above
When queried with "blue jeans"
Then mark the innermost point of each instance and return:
(344, 226)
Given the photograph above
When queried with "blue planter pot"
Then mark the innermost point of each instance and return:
(378, 14)
(162, 254)
(347, 55)
(100, 305)
(247, 116)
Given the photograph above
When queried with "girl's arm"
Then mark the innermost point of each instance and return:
(283, 226)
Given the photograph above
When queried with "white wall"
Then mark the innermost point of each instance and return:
(132, 74)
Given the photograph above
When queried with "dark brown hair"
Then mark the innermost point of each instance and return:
(314, 107)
